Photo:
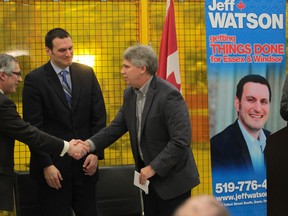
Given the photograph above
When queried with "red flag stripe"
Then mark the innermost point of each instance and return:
(168, 58)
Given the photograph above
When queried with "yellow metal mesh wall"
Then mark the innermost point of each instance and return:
(100, 30)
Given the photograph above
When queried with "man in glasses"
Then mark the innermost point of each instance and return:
(12, 127)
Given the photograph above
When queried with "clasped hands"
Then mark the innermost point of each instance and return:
(78, 148)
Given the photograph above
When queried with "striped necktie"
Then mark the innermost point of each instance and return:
(66, 87)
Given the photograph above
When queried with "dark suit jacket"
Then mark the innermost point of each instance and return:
(12, 127)
(165, 138)
(45, 106)
(284, 101)
(229, 150)
(276, 153)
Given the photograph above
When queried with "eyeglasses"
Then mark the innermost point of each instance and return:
(18, 74)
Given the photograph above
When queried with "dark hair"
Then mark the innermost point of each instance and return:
(55, 33)
(255, 78)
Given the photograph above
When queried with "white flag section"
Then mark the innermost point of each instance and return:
(169, 68)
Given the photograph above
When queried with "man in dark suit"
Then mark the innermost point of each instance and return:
(63, 182)
(156, 116)
(276, 158)
(12, 127)
(284, 101)
(240, 146)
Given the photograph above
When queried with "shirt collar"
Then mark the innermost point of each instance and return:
(1, 91)
(250, 139)
(57, 69)
(145, 87)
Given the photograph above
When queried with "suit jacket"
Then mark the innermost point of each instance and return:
(284, 101)
(45, 106)
(13, 127)
(276, 152)
(165, 137)
(229, 150)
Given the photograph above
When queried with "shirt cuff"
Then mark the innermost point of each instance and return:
(92, 145)
(65, 148)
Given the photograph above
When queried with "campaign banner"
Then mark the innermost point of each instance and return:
(246, 55)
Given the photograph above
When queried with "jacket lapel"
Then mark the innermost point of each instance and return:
(132, 113)
(55, 83)
(243, 146)
(75, 77)
(149, 99)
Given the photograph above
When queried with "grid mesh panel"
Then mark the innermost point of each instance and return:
(100, 30)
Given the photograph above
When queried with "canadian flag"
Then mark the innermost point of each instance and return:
(168, 58)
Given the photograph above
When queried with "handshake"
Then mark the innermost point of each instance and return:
(78, 148)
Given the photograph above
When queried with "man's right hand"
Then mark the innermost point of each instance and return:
(78, 148)
(53, 177)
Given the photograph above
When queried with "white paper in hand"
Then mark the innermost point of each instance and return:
(136, 183)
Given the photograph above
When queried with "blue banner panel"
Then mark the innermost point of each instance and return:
(245, 41)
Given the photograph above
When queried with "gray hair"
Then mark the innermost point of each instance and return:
(7, 63)
(142, 55)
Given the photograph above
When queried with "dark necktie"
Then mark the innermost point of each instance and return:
(66, 87)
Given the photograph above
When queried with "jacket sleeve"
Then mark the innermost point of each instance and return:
(98, 110)
(108, 135)
(14, 126)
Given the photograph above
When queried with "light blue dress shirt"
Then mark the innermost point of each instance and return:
(256, 149)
